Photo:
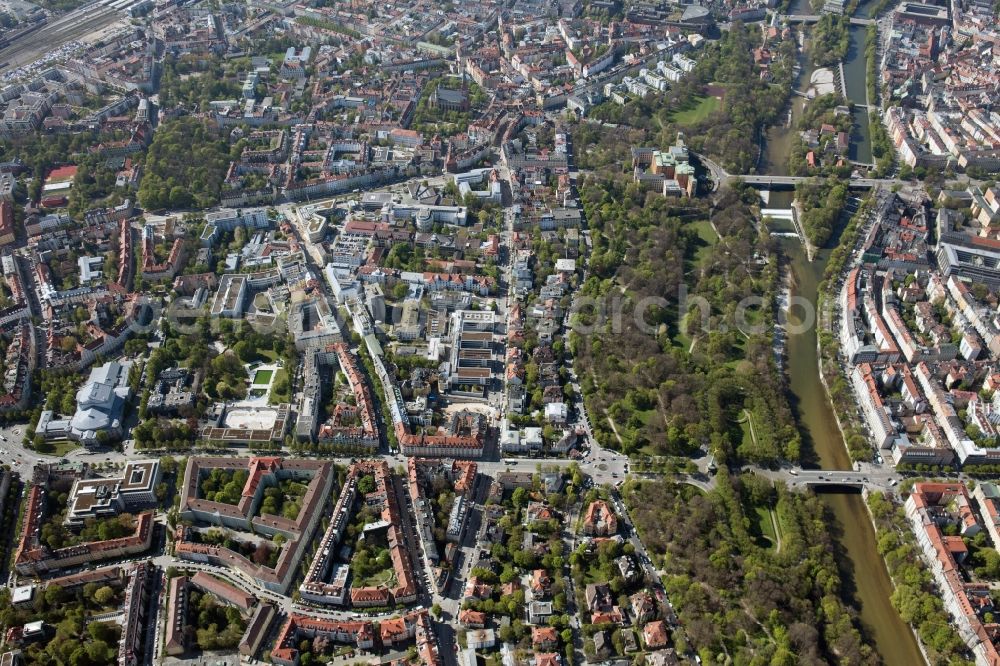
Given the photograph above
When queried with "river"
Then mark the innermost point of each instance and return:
(866, 583)
(775, 161)
(856, 91)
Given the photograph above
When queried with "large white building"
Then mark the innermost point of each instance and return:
(100, 404)
(230, 297)
(471, 361)
(135, 488)
(867, 391)
(230, 218)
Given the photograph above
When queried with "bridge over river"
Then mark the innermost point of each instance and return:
(814, 18)
(867, 477)
(721, 176)
(870, 478)
(789, 182)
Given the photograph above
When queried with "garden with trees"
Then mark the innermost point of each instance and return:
(214, 626)
(71, 636)
(197, 80)
(816, 113)
(738, 600)
(185, 165)
(679, 376)
(223, 485)
(283, 500)
(55, 533)
(915, 595)
(830, 40)
(841, 393)
(821, 203)
(225, 375)
(729, 135)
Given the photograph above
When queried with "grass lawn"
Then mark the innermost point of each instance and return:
(746, 425)
(385, 577)
(681, 340)
(262, 377)
(268, 354)
(697, 113)
(592, 572)
(706, 239)
(747, 437)
(262, 304)
(58, 447)
(277, 397)
(649, 450)
(644, 416)
(705, 231)
(767, 526)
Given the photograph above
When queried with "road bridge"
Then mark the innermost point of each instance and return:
(814, 18)
(867, 478)
(720, 176)
(797, 478)
(789, 182)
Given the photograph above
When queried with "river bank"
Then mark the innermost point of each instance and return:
(867, 585)
(867, 496)
(839, 392)
(866, 582)
(826, 289)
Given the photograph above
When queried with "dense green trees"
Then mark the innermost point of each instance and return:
(73, 638)
(185, 166)
(366, 484)
(739, 602)
(883, 150)
(55, 534)
(915, 595)
(730, 135)
(841, 392)
(103, 529)
(163, 434)
(666, 376)
(223, 485)
(216, 627)
(830, 40)
(821, 203)
(198, 81)
(283, 500)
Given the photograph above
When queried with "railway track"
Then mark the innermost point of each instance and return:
(53, 35)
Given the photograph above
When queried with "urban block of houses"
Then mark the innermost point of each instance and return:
(109, 496)
(33, 557)
(668, 172)
(245, 516)
(932, 509)
(326, 581)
